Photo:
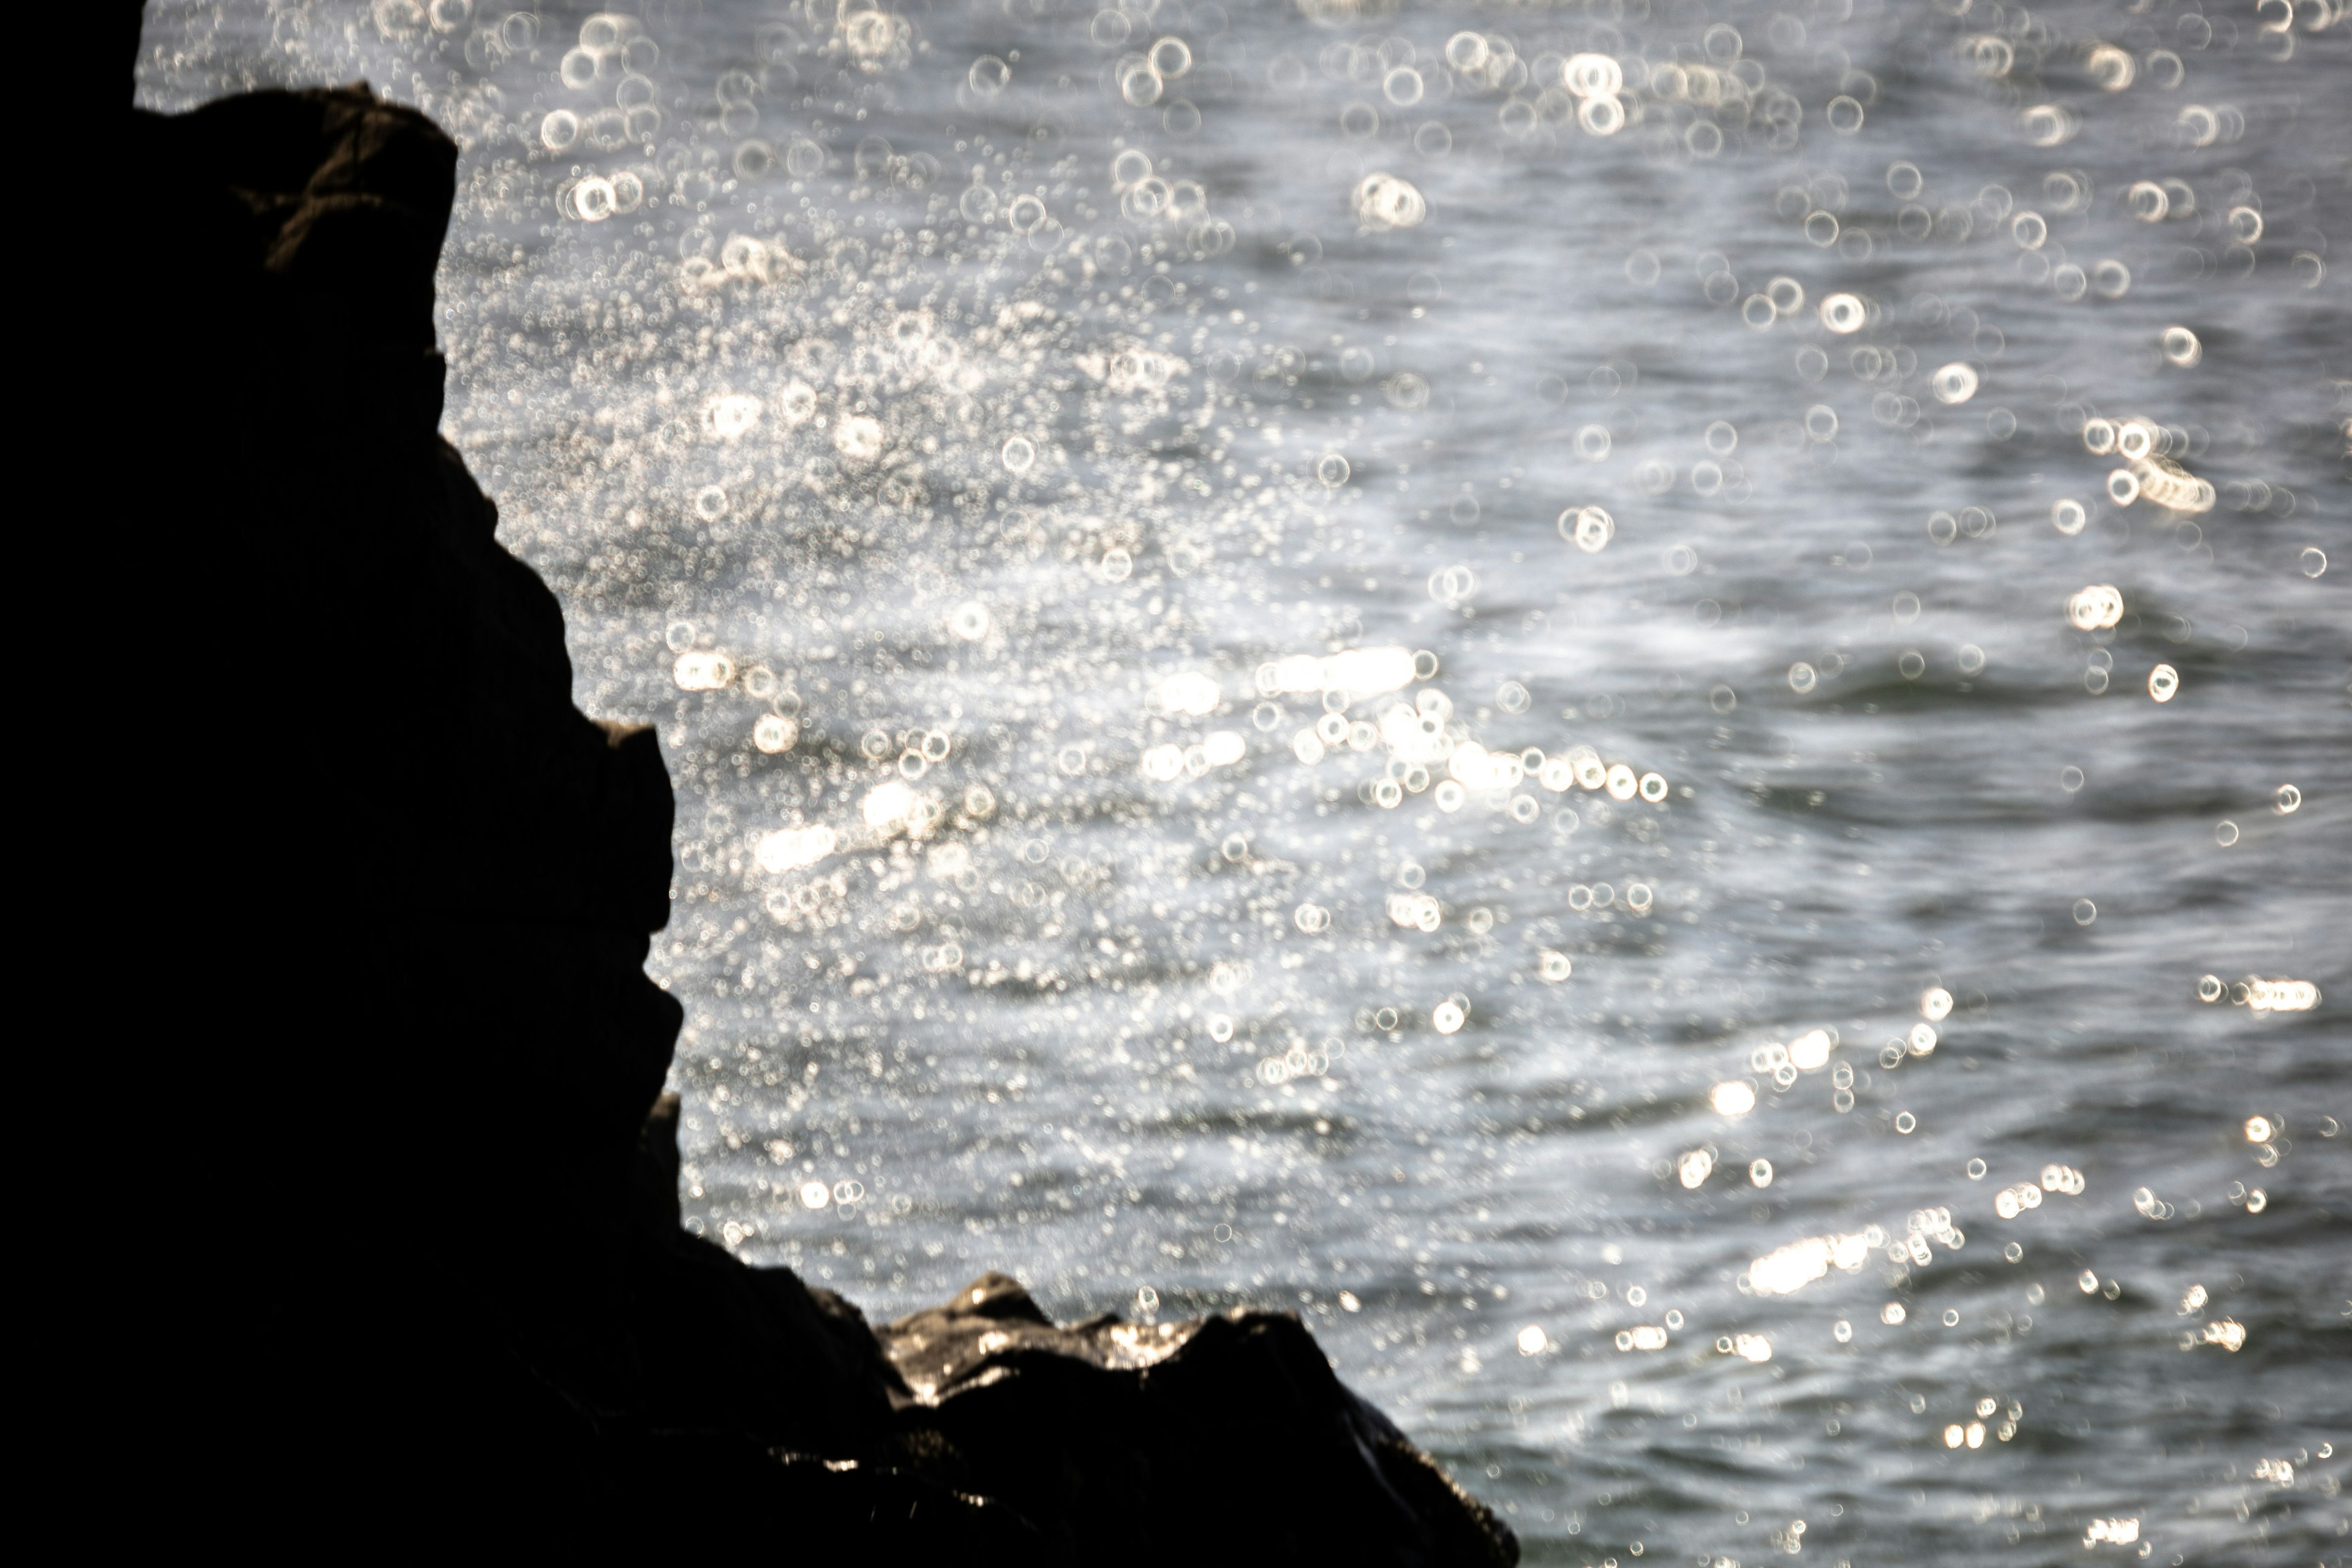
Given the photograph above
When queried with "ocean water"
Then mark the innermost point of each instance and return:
(1145, 533)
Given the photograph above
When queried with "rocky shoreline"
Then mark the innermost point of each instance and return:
(435, 881)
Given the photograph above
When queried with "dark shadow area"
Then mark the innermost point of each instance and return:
(417, 892)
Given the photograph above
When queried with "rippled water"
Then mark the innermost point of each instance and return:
(869, 391)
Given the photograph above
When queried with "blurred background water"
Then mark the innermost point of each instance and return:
(945, 421)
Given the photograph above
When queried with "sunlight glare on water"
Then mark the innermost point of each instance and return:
(1597, 692)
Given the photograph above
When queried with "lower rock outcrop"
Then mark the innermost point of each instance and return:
(1223, 1439)
(421, 1239)
(1189, 1442)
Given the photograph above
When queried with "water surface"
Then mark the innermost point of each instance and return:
(944, 422)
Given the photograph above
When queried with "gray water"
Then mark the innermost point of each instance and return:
(860, 402)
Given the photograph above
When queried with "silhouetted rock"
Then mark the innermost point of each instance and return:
(794, 1368)
(1223, 1439)
(1226, 1437)
(412, 885)
(423, 1233)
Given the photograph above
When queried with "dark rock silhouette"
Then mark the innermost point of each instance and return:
(1219, 1437)
(1222, 1438)
(422, 1234)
